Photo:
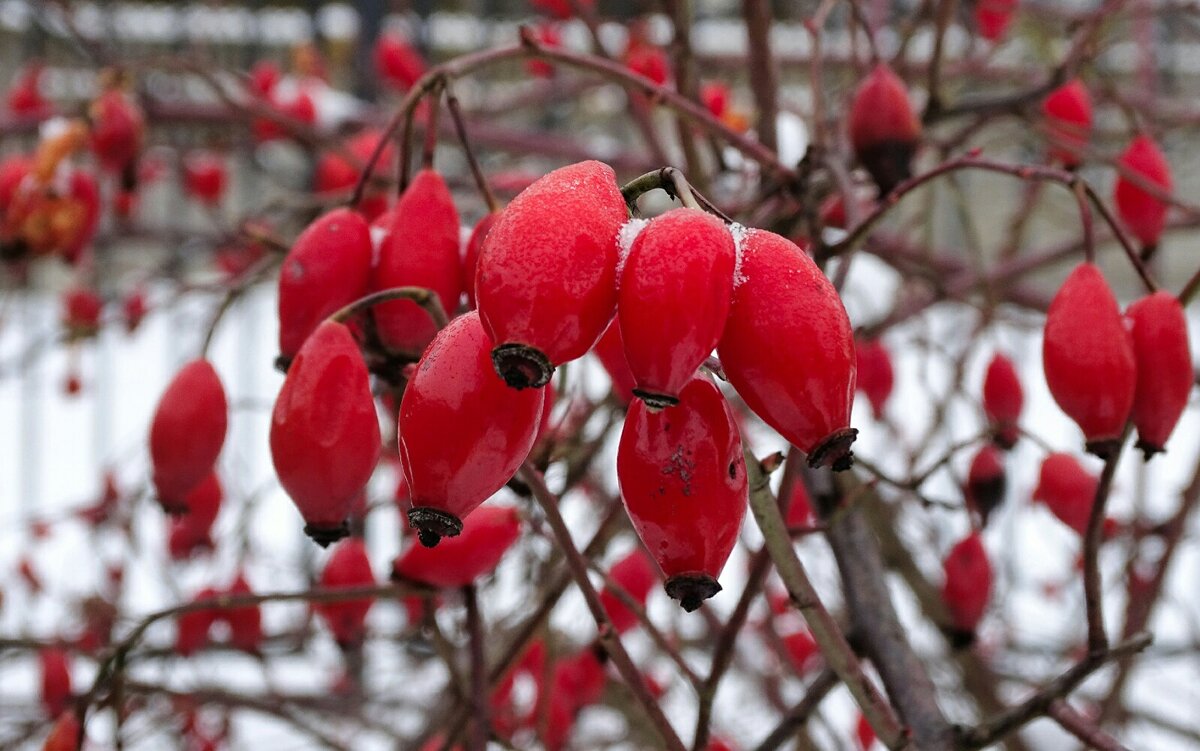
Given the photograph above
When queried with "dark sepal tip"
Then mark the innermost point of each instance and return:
(282, 363)
(691, 589)
(834, 450)
(325, 535)
(1104, 448)
(656, 401)
(433, 524)
(522, 366)
(1149, 449)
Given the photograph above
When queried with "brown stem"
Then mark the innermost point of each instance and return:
(1092, 586)
(608, 635)
(825, 631)
(764, 78)
(1039, 704)
(874, 618)
(485, 190)
(479, 702)
(1083, 729)
(426, 298)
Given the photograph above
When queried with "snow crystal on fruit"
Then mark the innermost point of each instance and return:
(625, 237)
(739, 233)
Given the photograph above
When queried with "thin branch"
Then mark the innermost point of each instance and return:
(764, 78)
(479, 702)
(1083, 729)
(1092, 586)
(426, 298)
(795, 719)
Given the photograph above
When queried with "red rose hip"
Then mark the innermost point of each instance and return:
(1067, 489)
(546, 280)
(348, 567)
(1003, 399)
(187, 433)
(488, 532)
(804, 390)
(875, 375)
(324, 431)
(968, 584)
(673, 300)
(462, 432)
(1088, 358)
(884, 129)
(420, 250)
(328, 267)
(1068, 113)
(1164, 368)
(1144, 213)
(683, 481)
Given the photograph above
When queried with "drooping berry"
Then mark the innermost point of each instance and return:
(1068, 117)
(1003, 399)
(336, 173)
(674, 299)
(347, 568)
(968, 585)
(875, 374)
(192, 627)
(474, 246)
(683, 480)
(328, 267)
(204, 176)
(804, 390)
(546, 281)
(1144, 213)
(187, 433)
(884, 129)
(81, 309)
(986, 482)
(1088, 358)
(636, 575)
(488, 532)
(452, 471)
(324, 431)
(1067, 489)
(56, 679)
(421, 250)
(118, 128)
(264, 74)
(648, 60)
(397, 63)
(801, 651)
(1164, 368)
(610, 350)
(992, 18)
(245, 622)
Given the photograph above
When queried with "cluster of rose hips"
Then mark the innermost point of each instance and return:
(551, 277)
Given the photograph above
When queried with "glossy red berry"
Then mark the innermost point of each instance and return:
(347, 568)
(801, 651)
(325, 432)
(474, 246)
(64, 736)
(610, 350)
(714, 95)
(875, 375)
(683, 480)
(986, 482)
(546, 281)
(204, 176)
(1164, 368)
(1144, 213)
(1068, 114)
(133, 309)
(192, 627)
(397, 63)
(187, 433)
(118, 128)
(81, 309)
(992, 18)
(451, 472)
(1088, 358)
(884, 129)
(328, 267)
(647, 60)
(420, 250)
(245, 622)
(673, 300)
(56, 679)
(636, 575)
(968, 583)
(800, 510)
(806, 389)
(335, 174)
(1067, 489)
(1003, 399)
(487, 534)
